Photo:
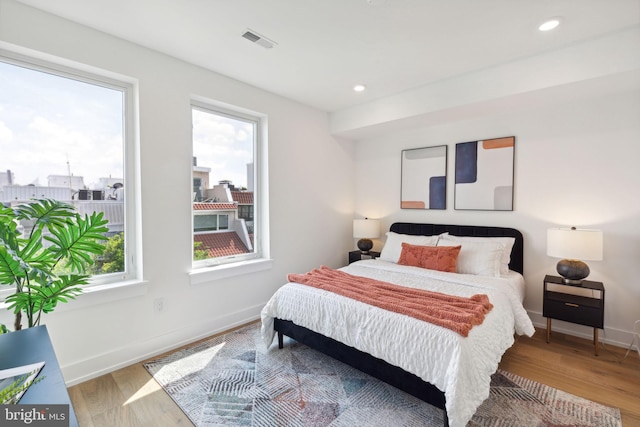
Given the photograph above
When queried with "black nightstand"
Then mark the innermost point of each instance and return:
(357, 256)
(560, 302)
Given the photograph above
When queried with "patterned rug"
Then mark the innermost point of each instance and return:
(232, 380)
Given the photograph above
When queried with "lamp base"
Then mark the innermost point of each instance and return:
(572, 271)
(365, 245)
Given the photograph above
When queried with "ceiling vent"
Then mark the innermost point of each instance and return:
(258, 39)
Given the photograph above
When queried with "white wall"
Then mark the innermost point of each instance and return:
(311, 189)
(576, 163)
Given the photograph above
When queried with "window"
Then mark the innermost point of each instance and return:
(65, 135)
(210, 222)
(246, 212)
(197, 188)
(225, 144)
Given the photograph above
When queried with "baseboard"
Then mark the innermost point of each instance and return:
(84, 370)
(611, 336)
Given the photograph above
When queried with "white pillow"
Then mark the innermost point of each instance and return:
(506, 244)
(393, 245)
(479, 258)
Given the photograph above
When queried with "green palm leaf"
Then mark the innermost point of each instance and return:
(44, 297)
(8, 228)
(45, 211)
(34, 254)
(12, 268)
(76, 242)
(5, 212)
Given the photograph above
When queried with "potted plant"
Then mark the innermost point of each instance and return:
(48, 264)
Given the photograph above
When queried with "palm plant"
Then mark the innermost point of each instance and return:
(48, 265)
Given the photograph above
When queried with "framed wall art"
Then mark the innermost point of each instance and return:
(484, 174)
(424, 178)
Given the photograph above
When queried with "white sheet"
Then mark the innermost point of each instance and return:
(460, 367)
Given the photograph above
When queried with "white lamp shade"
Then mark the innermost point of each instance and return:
(366, 228)
(574, 244)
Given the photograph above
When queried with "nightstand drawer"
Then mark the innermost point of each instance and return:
(574, 312)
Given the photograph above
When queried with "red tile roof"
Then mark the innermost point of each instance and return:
(214, 206)
(221, 244)
(242, 197)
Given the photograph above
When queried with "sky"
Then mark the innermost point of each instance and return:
(50, 125)
(223, 144)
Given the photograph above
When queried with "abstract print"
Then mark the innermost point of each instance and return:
(484, 174)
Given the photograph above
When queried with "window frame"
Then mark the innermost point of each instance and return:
(249, 262)
(130, 152)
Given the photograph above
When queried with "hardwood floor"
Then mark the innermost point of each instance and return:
(568, 363)
(130, 396)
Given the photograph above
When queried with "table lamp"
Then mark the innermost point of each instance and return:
(365, 230)
(574, 245)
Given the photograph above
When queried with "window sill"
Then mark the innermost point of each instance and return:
(209, 274)
(99, 294)
(115, 291)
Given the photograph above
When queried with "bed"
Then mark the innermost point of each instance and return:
(430, 362)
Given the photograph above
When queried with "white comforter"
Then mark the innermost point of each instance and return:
(461, 367)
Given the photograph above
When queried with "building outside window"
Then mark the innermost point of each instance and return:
(64, 135)
(225, 144)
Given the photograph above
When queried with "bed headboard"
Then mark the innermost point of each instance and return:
(517, 253)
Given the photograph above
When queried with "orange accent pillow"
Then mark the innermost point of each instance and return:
(441, 258)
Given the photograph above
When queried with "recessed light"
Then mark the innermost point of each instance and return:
(549, 24)
(359, 88)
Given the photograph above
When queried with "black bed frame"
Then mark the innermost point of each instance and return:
(378, 368)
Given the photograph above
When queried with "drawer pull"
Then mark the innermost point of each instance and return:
(571, 304)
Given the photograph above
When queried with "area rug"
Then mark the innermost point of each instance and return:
(233, 380)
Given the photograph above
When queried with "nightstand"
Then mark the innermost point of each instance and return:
(357, 256)
(582, 304)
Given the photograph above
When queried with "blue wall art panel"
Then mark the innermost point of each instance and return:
(484, 174)
(438, 192)
(466, 162)
(424, 178)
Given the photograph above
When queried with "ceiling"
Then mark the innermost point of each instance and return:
(324, 47)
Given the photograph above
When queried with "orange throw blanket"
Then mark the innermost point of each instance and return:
(456, 313)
